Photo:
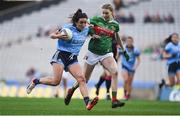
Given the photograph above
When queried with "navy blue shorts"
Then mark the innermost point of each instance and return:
(129, 71)
(173, 68)
(64, 58)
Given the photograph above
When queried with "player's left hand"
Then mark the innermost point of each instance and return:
(126, 55)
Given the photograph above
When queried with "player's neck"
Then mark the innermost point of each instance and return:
(77, 28)
(110, 19)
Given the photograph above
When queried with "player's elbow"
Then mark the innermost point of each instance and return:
(52, 36)
(165, 55)
(81, 79)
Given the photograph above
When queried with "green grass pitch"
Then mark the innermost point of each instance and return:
(55, 106)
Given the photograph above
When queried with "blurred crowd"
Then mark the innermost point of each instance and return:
(158, 18)
(121, 18)
(126, 3)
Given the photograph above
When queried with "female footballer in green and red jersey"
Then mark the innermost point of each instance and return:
(103, 30)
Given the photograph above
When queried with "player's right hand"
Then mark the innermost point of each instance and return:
(94, 36)
(58, 35)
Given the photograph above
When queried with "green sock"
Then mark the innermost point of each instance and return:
(114, 94)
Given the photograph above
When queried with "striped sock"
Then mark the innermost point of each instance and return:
(86, 100)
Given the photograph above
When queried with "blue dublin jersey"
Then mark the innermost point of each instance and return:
(174, 50)
(133, 54)
(73, 45)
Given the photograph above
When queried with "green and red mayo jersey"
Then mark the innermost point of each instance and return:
(105, 29)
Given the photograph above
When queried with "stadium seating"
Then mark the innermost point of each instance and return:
(16, 59)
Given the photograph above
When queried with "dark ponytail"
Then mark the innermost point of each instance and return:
(77, 15)
(167, 40)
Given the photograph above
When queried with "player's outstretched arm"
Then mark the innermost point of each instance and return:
(166, 55)
(118, 39)
(58, 35)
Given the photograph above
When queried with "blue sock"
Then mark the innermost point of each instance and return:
(86, 100)
(36, 81)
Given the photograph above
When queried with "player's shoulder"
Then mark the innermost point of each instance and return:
(137, 50)
(170, 44)
(179, 44)
(86, 29)
(71, 27)
(115, 24)
(68, 25)
(96, 17)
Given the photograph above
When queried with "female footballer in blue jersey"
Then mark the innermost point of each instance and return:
(172, 54)
(129, 67)
(65, 58)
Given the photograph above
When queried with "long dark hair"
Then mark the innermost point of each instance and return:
(167, 40)
(77, 15)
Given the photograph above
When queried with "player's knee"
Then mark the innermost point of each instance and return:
(81, 79)
(113, 70)
(126, 81)
(55, 82)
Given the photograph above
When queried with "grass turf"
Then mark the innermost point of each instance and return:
(55, 106)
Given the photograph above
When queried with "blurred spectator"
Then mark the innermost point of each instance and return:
(8, 44)
(169, 18)
(118, 4)
(29, 38)
(121, 18)
(47, 32)
(158, 18)
(19, 40)
(32, 73)
(131, 18)
(40, 32)
(147, 18)
(132, 2)
(124, 3)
